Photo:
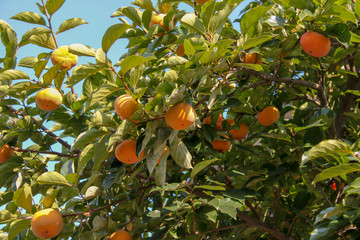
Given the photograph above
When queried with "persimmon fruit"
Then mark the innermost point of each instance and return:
(268, 116)
(240, 133)
(219, 121)
(125, 106)
(159, 20)
(126, 152)
(180, 116)
(47, 223)
(253, 58)
(48, 99)
(221, 145)
(6, 152)
(120, 235)
(62, 55)
(315, 44)
(180, 50)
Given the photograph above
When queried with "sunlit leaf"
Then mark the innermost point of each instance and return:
(30, 17)
(69, 24)
(52, 178)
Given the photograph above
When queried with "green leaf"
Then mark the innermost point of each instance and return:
(132, 13)
(70, 24)
(318, 123)
(327, 147)
(27, 62)
(357, 8)
(12, 74)
(256, 41)
(336, 171)
(133, 61)
(210, 187)
(30, 17)
(53, 5)
(112, 34)
(43, 40)
(200, 166)
(83, 71)
(39, 67)
(6, 216)
(101, 93)
(331, 211)
(23, 197)
(144, 4)
(252, 18)
(17, 226)
(343, 13)
(53, 178)
(51, 73)
(34, 31)
(160, 173)
(82, 50)
(100, 153)
(217, 22)
(87, 137)
(226, 206)
(85, 156)
(180, 153)
(190, 20)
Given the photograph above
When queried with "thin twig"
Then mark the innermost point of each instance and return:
(16, 149)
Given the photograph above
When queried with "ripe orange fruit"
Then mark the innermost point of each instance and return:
(218, 122)
(126, 152)
(6, 152)
(315, 44)
(253, 58)
(125, 106)
(47, 223)
(268, 116)
(201, 1)
(62, 55)
(159, 19)
(48, 99)
(180, 116)
(180, 50)
(221, 145)
(240, 133)
(120, 235)
(165, 150)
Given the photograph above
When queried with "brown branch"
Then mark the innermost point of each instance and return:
(47, 131)
(86, 214)
(46, 152)
(49, 21)
(219, 229)
(253, 222)
(272, 78)
(346, 104)
(121, 78)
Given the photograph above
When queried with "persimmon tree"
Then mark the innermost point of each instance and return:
(294, 177)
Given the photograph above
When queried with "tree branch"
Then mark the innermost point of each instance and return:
(272, 78)
(47, 131)
(46, 152)
(346, 104)
(253, 222)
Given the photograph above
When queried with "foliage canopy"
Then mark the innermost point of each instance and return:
(295, 179)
